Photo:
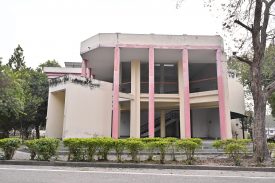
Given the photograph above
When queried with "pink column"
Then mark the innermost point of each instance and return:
(221, 95)
(185, 70)
(88, 73)
(151, 112)
(84, 68)
(116, 93)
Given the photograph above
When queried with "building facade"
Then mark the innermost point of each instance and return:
(153, 85)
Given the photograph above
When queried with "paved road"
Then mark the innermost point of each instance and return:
(37, 174)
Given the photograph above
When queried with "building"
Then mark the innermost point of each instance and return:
(147, 85)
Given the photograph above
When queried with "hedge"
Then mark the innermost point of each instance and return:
(235, 148)
(43, 149)
(9, 146)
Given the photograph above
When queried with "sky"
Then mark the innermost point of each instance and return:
(54, 29)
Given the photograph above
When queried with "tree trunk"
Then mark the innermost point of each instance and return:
(37, 132)
(261, 150)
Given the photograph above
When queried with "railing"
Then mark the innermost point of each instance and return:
(201, 85)
(174, 114)
(160, 87)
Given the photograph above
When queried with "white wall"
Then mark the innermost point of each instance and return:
(55, 116)
(236, 96)
(87, 112)
(205, 123)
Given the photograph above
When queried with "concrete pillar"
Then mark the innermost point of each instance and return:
(135, 103)
(162, 123)
(224, 111)
(151, 112)
(183, 79)
(115, 124)
(84, 68)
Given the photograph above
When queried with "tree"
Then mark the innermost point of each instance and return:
(48, 63)
(11, 99)
(40, 118)
(253, 16)
(16, 62)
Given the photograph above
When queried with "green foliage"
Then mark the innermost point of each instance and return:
(189, 146)
(235, 148)
(48, 63)
(32, 147)
(92, 145)
(271, 147)
(134, 146)
(161, 146)
(44, 148)
(16, 62)
(149, 146)
(9, 146)
(172, 141)
(76, 148)
(105, 144)
(119, 146)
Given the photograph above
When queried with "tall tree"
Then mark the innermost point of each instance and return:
(11, 99)
(253, 16)
(16, 62)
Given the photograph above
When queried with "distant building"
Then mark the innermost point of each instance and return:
(149, 85)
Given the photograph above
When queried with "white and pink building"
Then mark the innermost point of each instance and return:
(149, 85)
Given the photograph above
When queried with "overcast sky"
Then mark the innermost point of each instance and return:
(53, 29)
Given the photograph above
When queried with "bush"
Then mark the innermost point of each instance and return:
(235, 151)
(105, 144)
(188, 146)
(44, 148)
(271, 147)
(134, 146)
(172, 141)
(149, 146)
(31, 146)
(235, 148)
(9, 146)
(119, 146)
(161, 146)
(92, 146)
(77, 151)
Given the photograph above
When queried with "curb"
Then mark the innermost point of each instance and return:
(134, 165)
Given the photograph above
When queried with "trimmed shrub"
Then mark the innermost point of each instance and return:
(105, 144)
(161, 146)
(189, 147)
(134, 146)
(92, 145)
(172, 141)
(9, 146)
(235, 148)
(77, 152)
(45, 148)
(31, 147)
(119, 147)
(271, 147)
(150, 146)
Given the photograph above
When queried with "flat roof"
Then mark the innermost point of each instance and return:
(114, 39)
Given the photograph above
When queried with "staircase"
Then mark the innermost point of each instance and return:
(170, 117)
